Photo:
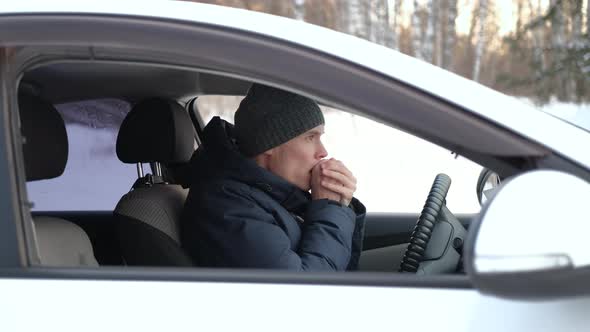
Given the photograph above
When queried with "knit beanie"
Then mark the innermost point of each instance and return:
(268, 117)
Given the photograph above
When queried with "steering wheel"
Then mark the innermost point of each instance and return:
(449, 233)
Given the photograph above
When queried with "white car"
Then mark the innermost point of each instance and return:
(67, 266)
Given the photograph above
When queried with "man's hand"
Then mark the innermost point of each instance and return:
(318, 191)
(337, 179)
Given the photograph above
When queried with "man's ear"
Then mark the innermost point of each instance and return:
(269, 152)
(263, 158)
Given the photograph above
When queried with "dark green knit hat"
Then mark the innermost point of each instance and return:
(268, 117)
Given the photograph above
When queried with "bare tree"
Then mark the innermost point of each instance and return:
(428, 39)
(450, 35)
(575, 43)
(299, 10)
(519, 14)
(558, 46)
(537, 39)
(382, 28)
(576, 15)
(483, 12)
(417, 33)
(358, 24)
(343, 14)
(434, 32)
(397, 8)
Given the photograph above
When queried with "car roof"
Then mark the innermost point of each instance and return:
(503, 110)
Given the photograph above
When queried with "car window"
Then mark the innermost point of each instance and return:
(94, 178)
(394, 170)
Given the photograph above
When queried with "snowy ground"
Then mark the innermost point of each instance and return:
(94, 178)
(394, 170)
(573, 113)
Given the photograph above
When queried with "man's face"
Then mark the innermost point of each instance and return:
(295, 159)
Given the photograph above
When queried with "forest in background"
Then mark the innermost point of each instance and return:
(543, 55)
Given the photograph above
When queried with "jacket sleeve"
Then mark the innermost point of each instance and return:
(358, 235)
(246, 235)
(326, 242)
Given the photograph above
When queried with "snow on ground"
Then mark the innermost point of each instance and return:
(394, 170)
(578, 114)
(94, 179)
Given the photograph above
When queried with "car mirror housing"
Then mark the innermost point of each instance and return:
(530, 239)
(487, 184)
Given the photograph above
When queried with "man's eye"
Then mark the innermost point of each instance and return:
(310, 137)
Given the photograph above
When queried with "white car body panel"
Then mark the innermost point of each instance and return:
(54, 305)
(505, 111)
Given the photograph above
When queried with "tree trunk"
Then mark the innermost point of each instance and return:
(576, 43)
(450, 35)
(519, 8)
(354, 18)
(299, 10)
(429, 41)
(483, 9)
(382, 27)
(437, 12)
(417, 31)
(558, 48)
(577, 37)
(470, 48)
(366, 21)
(397, 7)
(372, 20)
(538, 40)
(343, 17)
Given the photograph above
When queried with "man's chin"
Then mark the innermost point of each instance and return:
(304, 185)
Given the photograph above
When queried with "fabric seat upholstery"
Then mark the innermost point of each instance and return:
(62, 243)
(45, 149)
(148, 217)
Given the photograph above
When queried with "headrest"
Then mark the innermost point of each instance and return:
(45, 146)
(156, 130)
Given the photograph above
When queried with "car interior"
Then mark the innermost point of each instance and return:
(161, 131)
(59, 241)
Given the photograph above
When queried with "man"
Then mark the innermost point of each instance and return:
(250, 204)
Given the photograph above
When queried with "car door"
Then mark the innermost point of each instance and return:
(37, 297)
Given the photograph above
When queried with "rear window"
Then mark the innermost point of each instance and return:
(94, 178)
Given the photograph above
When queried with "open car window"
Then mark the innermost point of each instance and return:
(394, 169)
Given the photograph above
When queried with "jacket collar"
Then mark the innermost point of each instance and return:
(220, 155)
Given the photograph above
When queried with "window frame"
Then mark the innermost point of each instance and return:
(151, 40)
(14, 245)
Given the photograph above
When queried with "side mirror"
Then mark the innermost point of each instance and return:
(487, 184)
(530, 241)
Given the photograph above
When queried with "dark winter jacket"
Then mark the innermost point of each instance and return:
(238, 214)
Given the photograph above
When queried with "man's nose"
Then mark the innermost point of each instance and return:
(322, 152)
